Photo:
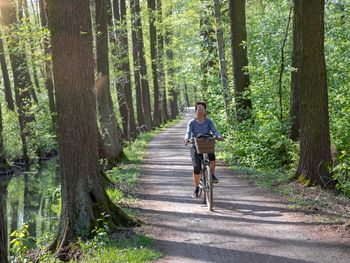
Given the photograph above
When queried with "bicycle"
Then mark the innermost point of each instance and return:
(205, 144)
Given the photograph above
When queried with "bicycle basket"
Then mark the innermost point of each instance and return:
(205, 145)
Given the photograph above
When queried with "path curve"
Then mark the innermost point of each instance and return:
(247, 225)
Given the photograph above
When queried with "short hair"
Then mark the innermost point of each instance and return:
(200, 103)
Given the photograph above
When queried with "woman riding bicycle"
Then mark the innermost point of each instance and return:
(201, 125)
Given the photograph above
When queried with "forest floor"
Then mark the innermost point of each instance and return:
(248, 224)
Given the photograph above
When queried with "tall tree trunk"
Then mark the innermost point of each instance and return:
(294, 88)
(49, 84)
(21, 74)
(131, 131)
(118, 67)
(240, 60)
(315, 151)
(6, 78)
(146, 100)
(208, 50)
(174, 110)
(83, 194)
(3, 220)
(153, 49)
(187, 101)
(110, 130)
(137, 73)
(161, 64)
(24, 14)
(225, 87)
(3, 193)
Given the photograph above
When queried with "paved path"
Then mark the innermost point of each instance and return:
(247, 225)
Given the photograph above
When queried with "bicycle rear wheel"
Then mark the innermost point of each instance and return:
(209, 188)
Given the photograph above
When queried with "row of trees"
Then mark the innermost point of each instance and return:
(309, 117)
(156, 50)
(71, 48)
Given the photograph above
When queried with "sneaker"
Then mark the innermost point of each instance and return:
(215, 180)
(195, 193)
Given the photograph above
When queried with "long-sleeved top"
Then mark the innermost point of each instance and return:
(194, 128)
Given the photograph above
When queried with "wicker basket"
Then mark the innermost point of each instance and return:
(205, 145)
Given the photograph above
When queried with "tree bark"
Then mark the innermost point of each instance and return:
(174, 108)
(315, 150)
(21, 74)
(137, 77)
(160, 62)
(208, 50)
(6, 78)
(153, 49)
(225, 87)
(24, 14)
(131, 127)
(240, 60)
(146, 101)
(109, 127)
(3, 220)
(294, 88)
(118, 67)
(83, 194)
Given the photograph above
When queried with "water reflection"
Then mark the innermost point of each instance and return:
(34, 198)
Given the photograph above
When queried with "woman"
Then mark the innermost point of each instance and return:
(201, 125)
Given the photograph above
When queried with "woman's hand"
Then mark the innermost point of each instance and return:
(221, 138)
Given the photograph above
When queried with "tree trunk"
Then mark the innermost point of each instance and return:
(153, 49)
(240, 60)
(6, 78)
(3, 220)
(49, 84)
(294, 88)
(187, 101)
(3, 193)
(118, 66)
(160, 61)
(146, 101)
(137, 76)
(83, 194)
(208, 50)
(131, 127)
(225, 87)
(24, 14)
(315, 151)
(174, 110)
(21, 74)
(109, 128)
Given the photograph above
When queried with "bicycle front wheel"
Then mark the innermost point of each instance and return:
(209, 190)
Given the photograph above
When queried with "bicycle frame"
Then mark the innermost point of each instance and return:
(206, 185)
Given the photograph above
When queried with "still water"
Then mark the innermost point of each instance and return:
(33, 197)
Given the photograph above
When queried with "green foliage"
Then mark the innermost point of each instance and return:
(21, 242)
(106, 248)
(11, 134)
(341, 173)
(130, 249)
(337, 49)
(42, 138)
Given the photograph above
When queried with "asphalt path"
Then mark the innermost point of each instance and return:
(247, 225)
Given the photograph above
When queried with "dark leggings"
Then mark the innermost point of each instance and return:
(197, 160)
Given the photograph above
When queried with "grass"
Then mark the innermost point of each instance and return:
(132, 249)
